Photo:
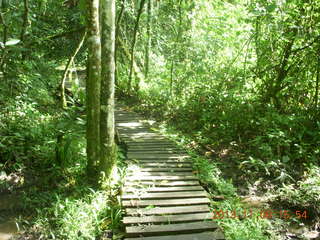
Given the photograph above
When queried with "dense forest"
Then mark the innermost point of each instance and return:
(235, 83)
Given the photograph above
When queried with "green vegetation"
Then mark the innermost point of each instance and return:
(237, 81)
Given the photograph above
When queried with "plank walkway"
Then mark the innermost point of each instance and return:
(163, 199)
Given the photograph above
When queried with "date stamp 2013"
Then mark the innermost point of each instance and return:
(264, 213)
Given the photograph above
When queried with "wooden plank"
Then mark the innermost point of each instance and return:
(165, 195)
(143, 173)
(158, 151)
(160, 161)
(151, 142)
(163, 183)
(162, 189)
(139, 136)
(129, 124)
(164, 164)
(160, 178)
(215, 235)
(131, 155)
(134, 128)
(158, 169)
(171, 228)
(155, 149)
(169, 218)
(165, 202)
(167, 210)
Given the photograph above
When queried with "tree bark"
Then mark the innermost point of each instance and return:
(25, 20)
(107, 128)
(135, 31)
(93, 87)
(117, 41)
(316, 95)
(148, 45)
(4, 40)
(65, 73)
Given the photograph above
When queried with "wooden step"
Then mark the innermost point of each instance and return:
(158, 169)
(167, 210)
(150, 142)
(163, 164)
(163, 183)
(162, 189)
(213, 235)
(160, 160)
(143, 173)
(169, 218)
(131, 155)
(165, 202)
(165, 195)
(155, 149)
(160, 178)
(130, 124)
(171, 228)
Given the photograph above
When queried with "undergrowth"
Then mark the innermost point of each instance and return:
(43, 163)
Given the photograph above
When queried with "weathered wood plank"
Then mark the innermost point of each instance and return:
(163, 183)
(131, 155)
(155, 149)
(169, 218)
(143, 173)
(165, 202)
(164, 164)
(171, 228)
(159, 151)
(159, 161)
(151, 142)
(216, 235)
(162, 189)
(130, 124)
(167, 210)
(158, 169)
(160, 178)
(165, 195)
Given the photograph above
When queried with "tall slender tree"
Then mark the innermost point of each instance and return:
(107, 143)
(135, 32)
(93, 86)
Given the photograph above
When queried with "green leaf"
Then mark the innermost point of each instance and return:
(270, 8)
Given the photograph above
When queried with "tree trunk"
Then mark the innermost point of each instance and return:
(4, 40)
(25, 20)
(148, 45)
(135, 31)
(117, 41)
(93, 87)
(316, 95)
(107, 128)
(65, 73)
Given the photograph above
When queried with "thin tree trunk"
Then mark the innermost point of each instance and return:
(176, 45)
(171, 78)
(316, 95)
(135, 31)
(4, 40)
(25, 20)
(93, 87)
(117, 41)
(66, 70)
(107, 128)
(148, 45)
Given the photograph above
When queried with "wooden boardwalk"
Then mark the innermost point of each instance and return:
(163, 199)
